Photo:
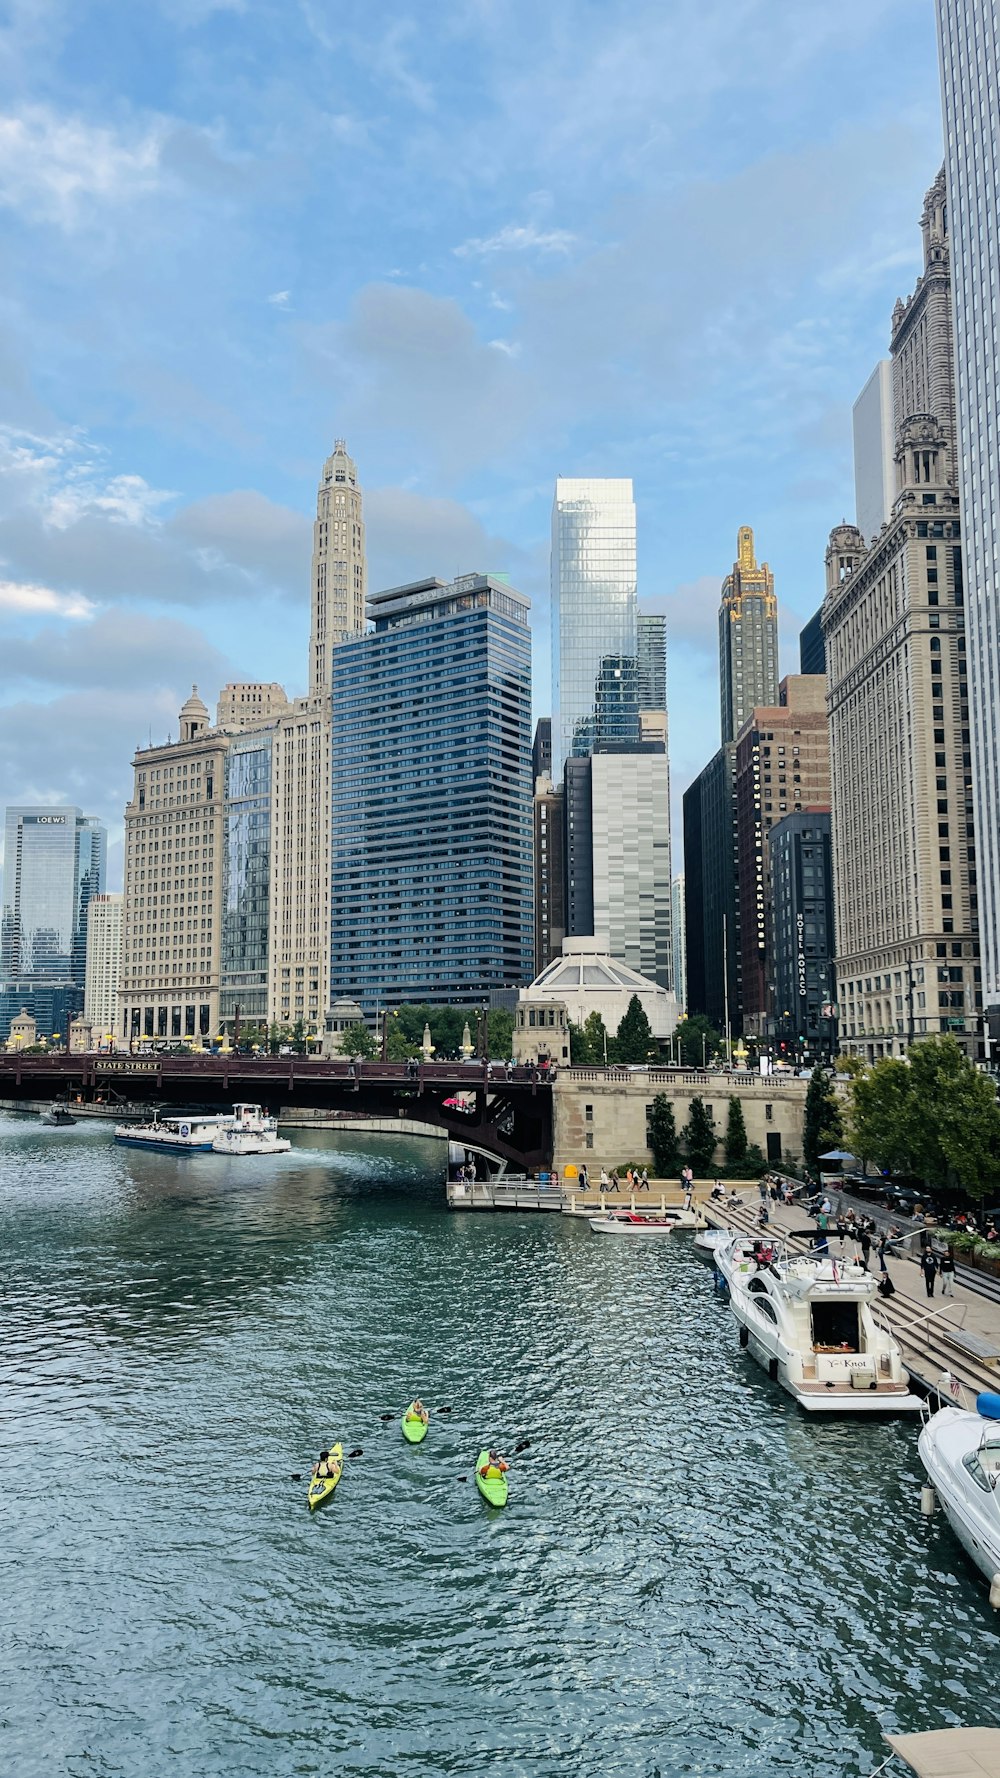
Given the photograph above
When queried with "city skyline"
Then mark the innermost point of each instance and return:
(472, 348)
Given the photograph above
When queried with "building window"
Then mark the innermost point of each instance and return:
(588, 1112)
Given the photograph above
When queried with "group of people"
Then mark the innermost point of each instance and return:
(862, 1234)
(636, 1179)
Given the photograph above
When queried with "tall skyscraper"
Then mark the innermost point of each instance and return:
(712, 919)
(652, 650)
(748, 638)
(630, 826)
(104, 956)
(969, 37)
(339, 565)
(812, 648)
(55, 862)
(782, 767)
(800, 940)
(594, 607)
(431, 880)
(679, 942)
(901, 765)
(874, 452)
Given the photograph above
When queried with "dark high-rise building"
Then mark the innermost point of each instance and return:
(801, 933)
(710, 899)
(541, 748)
(431, 869)
(652, 639)
(55, 861)
(812, 648)
(579, 842)
(748, 638)
(550, 873)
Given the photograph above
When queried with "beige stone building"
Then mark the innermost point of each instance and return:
(247, 704)
(172, 908)
(894, 624)
(603, 1118)
(339, 566)
(104, 956)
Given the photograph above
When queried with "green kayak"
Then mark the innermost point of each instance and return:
(414, 1426)
(492, 1486)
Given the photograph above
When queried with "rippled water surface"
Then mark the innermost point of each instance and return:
(689, 1577)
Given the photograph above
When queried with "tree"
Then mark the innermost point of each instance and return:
(736, 1134)
(699, 1137)
(357, 1040)
(954, 1120)
(878, 1122)
(634, 1040)
(823, 1128)
(500, 1026)
(398, 1047)
(663, 1136)
(690, 1034)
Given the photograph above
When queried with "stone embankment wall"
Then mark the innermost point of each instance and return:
(600, 1115)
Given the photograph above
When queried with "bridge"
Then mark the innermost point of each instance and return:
(508, 1112)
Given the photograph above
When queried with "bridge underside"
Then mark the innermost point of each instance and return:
(508, 1118)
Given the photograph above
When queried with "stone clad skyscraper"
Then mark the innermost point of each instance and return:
(339, 571)
(901, 767)
(748, 638)
(969, 36)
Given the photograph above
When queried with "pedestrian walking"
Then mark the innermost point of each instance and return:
(929, 1266)
(644, 1180)
(822, 1242)
(614, 1181)
(883, 1242)
(866, 1247)
(629, 1181)
(946, 1266)
(762, 1188)
(605, 1181)
(584, 1178)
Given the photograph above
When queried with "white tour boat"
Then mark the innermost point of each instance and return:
(630, 1222)
(251, 1131)
(809, 1322)
(961, 1454)
(186, 1133)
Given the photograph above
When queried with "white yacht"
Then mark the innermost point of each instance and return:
(250, 1131)
(186, 1133)
(630, 1222)
(809, 1322)
(961, 1454)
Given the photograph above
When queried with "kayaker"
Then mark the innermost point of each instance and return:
(495, 1468)
(322, 1468)
(418, 1412)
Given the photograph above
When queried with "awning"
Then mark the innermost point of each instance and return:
(837, 1154)
(950, 1753)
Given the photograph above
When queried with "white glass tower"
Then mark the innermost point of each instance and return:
(594, 616)
(969, 38)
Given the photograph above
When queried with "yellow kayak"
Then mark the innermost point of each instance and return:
(322, 1486)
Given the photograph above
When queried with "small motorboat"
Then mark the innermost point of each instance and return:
(632, 1222)
(708, 1240)
(322, 1486)
(58, 1118)
(491, 1480)
(414, 1426)
(250, 1131)
(961, 1453)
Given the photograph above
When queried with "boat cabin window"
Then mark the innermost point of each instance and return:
(767, 1309)
(835, 1327)
(977, 1472)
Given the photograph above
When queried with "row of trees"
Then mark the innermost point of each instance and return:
(700, 1140)
(591, 1044)
(404, 1033)
(933, 1116)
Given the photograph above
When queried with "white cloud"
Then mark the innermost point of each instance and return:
(517, 238)
(280, 299)
(127, 499)
(50, 166)
(42, 601)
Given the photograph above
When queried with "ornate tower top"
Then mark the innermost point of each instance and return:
(745, 555)
(193, 717)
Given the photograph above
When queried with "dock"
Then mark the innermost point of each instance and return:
(959, 1334)
(503, 1193)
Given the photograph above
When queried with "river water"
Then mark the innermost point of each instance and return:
(690, 1578)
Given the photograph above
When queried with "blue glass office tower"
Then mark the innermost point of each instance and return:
(55, 860)
(431, 883)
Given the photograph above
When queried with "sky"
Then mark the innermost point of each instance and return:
(488, 242)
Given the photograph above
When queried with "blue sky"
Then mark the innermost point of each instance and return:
(487, 242)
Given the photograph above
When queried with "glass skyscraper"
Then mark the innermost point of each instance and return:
(246, 877)
(431, 878)
(594, 608)
(969, 38)
(748, 638)
(55, 860)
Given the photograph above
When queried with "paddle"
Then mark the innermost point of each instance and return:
(525, 1445)
(300, 1475)
(402, 1411)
